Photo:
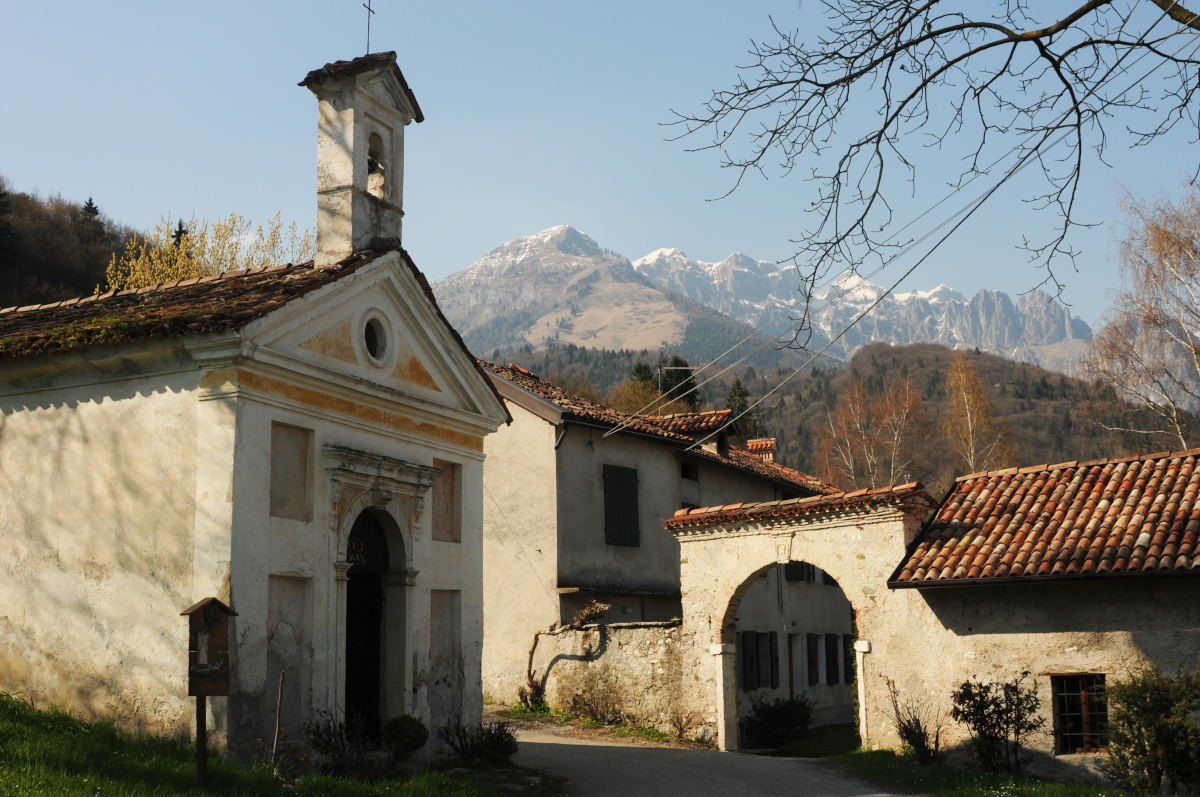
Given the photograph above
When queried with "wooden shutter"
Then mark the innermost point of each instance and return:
(621, 506)
(774, 660)
(831, 658)
(764, 660)
(848, 658)
(749, 646)
(814, 671)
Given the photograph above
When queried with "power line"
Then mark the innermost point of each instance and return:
(913, 244)
(969, 211)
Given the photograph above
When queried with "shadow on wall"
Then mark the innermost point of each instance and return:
(592, 651)
(95, 573)
(1160, 614)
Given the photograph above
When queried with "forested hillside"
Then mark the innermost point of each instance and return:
(53, 249)
(1051, 417)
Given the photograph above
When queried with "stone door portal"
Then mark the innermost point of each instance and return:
(367, 552)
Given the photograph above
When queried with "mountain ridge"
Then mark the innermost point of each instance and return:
(561, 285)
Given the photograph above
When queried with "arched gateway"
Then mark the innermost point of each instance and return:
(857, 538)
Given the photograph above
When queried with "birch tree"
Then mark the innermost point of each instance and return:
(872, 442)
(968, 429)
(1149, 347)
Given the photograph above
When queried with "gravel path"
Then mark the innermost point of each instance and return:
(632, 770)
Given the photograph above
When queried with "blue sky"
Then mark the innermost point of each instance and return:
(537, 114)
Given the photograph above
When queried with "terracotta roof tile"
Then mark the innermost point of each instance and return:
(691, 423)
(364, 63)
(669, 428)
(218, 303)
(1133, 515)
(910, 495)
(761, 444)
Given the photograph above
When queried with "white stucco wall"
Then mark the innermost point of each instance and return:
(97, 504)
(930, 641)
(545, 553)
(519, 548)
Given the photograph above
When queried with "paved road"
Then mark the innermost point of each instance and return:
(610, 768)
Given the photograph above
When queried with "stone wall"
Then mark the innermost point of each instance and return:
(646, 673)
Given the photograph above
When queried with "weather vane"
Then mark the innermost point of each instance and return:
(370, 13)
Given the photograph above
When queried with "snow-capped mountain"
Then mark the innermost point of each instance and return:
(560, 284)
(1036, 329)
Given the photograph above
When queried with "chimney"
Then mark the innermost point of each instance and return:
(764, 447)
(363, 107)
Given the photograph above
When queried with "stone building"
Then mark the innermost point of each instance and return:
(573, 513)
(1075, 573)
(304, 443)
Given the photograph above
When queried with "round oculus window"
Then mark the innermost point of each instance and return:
(375, 339)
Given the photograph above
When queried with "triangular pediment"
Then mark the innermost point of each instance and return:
(385, 89)
(377, 326)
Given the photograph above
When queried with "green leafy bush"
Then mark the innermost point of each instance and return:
(1000, 717)
(773, 723)
(404, 735)
(1153, 738)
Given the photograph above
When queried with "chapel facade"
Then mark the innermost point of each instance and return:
(303, 442)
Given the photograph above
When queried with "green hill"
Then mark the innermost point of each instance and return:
(1052, 418)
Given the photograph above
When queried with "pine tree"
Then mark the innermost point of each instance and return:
(678, 383)
(90, 209)
(749, 426)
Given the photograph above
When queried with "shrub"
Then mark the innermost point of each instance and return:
(1152, 737)
(403, 736)
(598, 698)
(344, 752)
(918, 726)
(1000, 716)
(772, 723)
(491, 741)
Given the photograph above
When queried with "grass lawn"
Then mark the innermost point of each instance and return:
(884, 768)
(52, 753)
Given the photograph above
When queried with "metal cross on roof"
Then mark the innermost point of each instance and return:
(370, 13)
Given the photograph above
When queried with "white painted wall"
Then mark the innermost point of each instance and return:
(97, 504)
(519, 548)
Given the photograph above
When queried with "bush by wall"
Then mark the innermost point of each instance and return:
(1153, 737)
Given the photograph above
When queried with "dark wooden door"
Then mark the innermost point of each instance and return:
(364, 637)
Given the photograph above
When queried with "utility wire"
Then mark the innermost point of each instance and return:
(969, 211)
(905, 249)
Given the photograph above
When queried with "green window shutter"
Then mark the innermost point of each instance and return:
(621, 506)
(774, 660)
(764, 660)
(848, 658)
(814, 671)
(749, 647)
(831, 658)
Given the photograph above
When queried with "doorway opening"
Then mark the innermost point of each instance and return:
(367, 552)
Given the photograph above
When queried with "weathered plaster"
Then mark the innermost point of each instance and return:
(929, 641)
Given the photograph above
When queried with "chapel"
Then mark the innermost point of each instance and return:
(303, 443)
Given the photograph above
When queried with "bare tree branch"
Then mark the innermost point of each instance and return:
(891, 75)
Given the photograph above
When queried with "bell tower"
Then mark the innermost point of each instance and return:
(363, 106)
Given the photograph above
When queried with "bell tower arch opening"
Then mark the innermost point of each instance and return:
(369, 558)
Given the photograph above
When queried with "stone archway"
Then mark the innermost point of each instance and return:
(391, 493)
(858, 538)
